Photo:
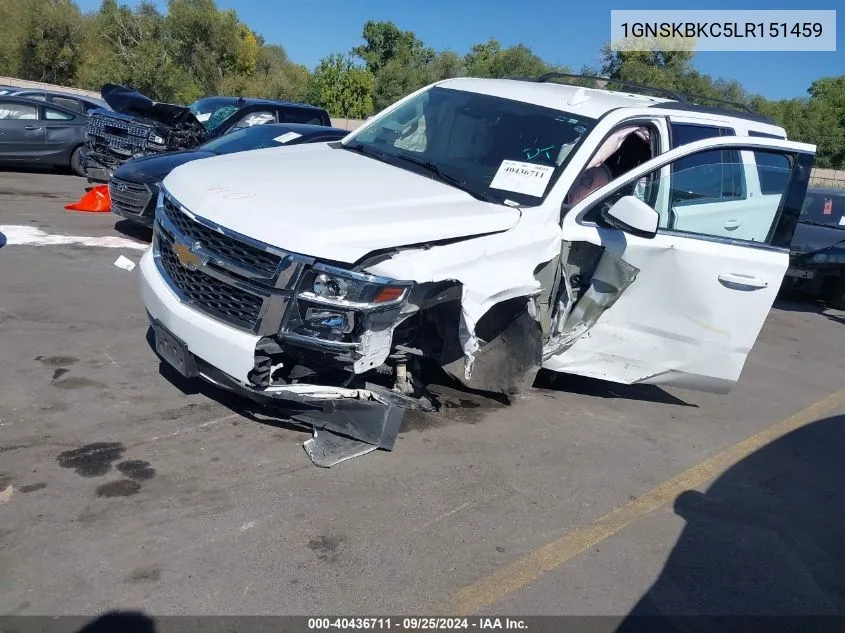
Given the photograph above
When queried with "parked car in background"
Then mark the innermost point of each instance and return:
(818, 247)
(139, 126)
(135, 185)
(73, 102)
(38, 132)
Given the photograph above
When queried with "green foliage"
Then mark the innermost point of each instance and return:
(196, 49)
(193, 50)
(343, 89)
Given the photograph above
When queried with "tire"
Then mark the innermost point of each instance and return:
(76, 162)
(837, 298)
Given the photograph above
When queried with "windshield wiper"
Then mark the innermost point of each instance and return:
(449, 179)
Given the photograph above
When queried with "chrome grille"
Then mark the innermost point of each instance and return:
(118, 134)
(232, 277)
(226, 247)
(128, 197)
(208, 293)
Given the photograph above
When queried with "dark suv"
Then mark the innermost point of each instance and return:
(817, 260)
(139, 126)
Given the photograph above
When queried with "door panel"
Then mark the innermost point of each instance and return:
(21, 133)
(697, 302)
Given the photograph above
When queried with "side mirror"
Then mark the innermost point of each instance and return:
(632, 215)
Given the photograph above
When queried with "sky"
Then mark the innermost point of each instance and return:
(566, 32)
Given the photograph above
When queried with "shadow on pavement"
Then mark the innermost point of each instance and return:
(133, 230)
(766, 539)
(815, 306)
(122, 622)
(552, 381)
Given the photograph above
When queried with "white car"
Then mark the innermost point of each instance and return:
(488, 227)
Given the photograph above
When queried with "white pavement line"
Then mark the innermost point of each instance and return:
(30, 236)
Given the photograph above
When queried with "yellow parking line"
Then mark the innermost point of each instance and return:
(518, 574)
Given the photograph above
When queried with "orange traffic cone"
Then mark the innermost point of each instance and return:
(95, 200)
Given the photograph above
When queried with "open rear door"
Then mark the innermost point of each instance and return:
(684, 306)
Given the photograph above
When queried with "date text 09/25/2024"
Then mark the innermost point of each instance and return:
(417, 624)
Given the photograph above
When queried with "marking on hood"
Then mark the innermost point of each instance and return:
(225, 191)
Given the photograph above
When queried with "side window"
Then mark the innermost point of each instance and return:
(66, 102)
(16, 111)
(308, 117)
(254, 118)
(717, 175)
(56, 115)
(772, 171)
(750, 219)
(36, 97)
(765, 135)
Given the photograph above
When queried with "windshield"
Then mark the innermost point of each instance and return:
(495, 148)
(824, 208)
(256, 137)
(212, 111)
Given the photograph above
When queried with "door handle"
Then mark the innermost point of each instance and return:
(32, 127)
(746, 281)
(732, 225)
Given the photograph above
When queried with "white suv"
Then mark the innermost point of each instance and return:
(488, 227)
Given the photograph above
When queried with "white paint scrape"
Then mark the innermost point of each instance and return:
(30, 236)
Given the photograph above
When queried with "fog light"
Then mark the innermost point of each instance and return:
(329, 287)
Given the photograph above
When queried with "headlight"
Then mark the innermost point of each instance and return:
(820, 258)
(339, 287)
(155, 138)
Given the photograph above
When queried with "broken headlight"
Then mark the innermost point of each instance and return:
(338, 287)
(156, 139)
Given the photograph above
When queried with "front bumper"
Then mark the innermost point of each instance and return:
(225, 356)
(133, 201)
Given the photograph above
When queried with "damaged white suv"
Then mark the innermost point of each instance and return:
(486, 227)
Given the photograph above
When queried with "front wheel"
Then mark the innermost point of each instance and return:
(76, 162)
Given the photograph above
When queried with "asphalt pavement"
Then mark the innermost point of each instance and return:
(122, 486)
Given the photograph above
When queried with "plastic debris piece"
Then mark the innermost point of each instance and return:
(327, 449)
(125, 263)
(96, 200)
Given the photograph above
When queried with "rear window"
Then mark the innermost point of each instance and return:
(311, 117)
(824, 208)
(71, 104)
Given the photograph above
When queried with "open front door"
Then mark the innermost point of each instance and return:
(683, 306)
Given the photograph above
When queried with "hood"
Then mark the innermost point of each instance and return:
(809, 238)
(331, 203)
(132, 102)
(155, 167)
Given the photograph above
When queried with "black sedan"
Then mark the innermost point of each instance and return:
(37, 132)
(134, 186)
(817, 262)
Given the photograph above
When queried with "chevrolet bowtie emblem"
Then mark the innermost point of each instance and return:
(187, 257)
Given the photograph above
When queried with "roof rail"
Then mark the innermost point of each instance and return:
(659, 92)
(697, 99)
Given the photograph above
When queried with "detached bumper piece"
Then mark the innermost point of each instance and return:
(346, 422)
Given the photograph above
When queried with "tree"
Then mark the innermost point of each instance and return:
(383, 42)
(49, 42)
(342, 88)
(489, 59)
